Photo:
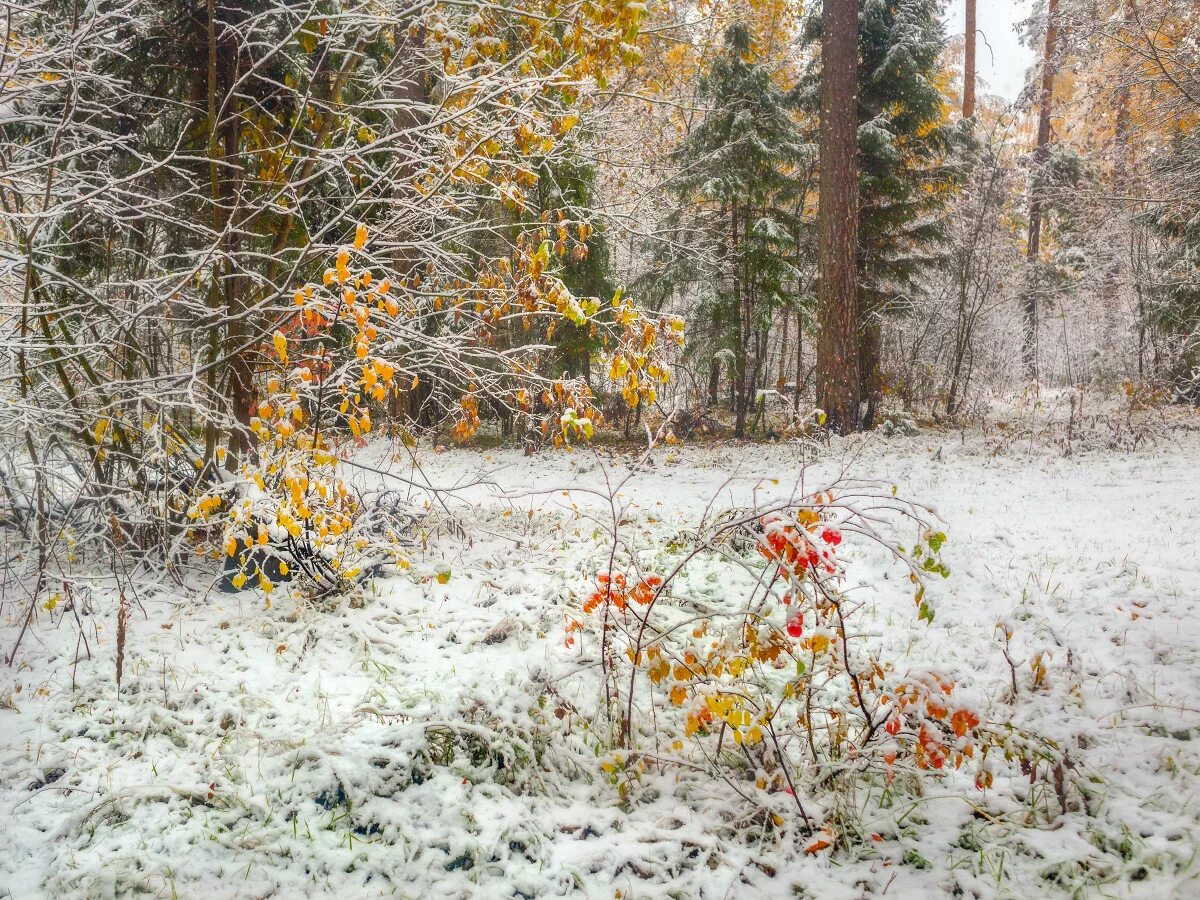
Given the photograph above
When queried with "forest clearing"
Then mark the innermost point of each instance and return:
(410, 744)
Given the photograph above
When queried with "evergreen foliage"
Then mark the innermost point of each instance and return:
(743, 175)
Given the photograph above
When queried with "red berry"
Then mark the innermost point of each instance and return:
(795, 627)
(893, 726)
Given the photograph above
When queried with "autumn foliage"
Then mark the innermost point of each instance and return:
(781, 672)
(332, 370)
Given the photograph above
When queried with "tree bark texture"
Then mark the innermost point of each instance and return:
(838, 344)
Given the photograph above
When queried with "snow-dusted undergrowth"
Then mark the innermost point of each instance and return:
(418, 742)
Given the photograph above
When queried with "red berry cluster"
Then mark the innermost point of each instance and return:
(791, 545)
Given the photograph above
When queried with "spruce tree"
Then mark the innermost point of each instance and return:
(732, 243)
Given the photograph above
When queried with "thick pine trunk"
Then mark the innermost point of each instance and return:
(838, 345)
(1036, 199)
(969, 62)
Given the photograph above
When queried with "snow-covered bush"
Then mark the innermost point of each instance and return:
(899, 423)
(773, 686)
(331, 370)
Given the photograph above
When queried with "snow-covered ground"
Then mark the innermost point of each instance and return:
(407, 744)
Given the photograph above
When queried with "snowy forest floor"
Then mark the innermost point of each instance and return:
(395, 745)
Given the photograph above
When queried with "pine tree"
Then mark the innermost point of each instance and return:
(837, 358)
(910, 162)
(739, 186)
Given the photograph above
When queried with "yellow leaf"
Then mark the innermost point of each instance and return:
(281, 346)
(360, 236)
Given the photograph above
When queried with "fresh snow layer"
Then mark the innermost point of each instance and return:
(405, 745)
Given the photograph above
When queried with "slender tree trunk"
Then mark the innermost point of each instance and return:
(799, 362)
(870, 336)
(781, 377)
(1110, 288)
(411, 96)
(962, 340)
(738, 375)
(968, 110)
(214, 296)
(1036, 199)
(1123, 164)
(240, 390)
(837, 345)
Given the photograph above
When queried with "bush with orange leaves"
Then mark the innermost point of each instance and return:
(771, 685)
(345, 352)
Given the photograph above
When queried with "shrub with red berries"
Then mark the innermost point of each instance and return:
(778, 671)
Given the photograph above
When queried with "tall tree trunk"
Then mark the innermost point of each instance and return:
(837, 345)
(969, 63)
(1036, 199)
